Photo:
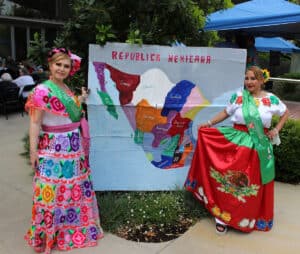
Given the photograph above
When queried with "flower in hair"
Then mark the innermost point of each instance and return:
(266, 75)
(76, 60)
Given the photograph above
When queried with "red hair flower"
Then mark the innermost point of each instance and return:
(76, 61)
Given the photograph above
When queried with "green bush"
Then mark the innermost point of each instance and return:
(136, 208)
(287, 159)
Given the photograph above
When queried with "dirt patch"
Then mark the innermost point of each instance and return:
(154, 233)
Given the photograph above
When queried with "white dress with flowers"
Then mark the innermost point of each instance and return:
(65, 212)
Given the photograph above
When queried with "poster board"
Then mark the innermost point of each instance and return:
(145, 105)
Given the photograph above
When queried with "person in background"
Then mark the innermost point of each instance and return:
(6, 77)
(232, 171)
(65, 212)
(24, 78)
(12, 67)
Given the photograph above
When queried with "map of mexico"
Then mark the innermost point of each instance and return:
(144, 108)
(165, 126)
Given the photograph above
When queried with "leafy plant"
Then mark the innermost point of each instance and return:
(134, 36)
(37, 51)
(104, 34)
(287, 160)
(136, 209)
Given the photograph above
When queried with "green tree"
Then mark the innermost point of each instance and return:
(137, 21)
(38, 50)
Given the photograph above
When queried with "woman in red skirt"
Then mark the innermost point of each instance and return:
(232, 171)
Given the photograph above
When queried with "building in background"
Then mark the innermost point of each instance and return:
(20, 19)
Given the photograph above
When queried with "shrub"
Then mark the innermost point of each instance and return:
(129, 211)
(287, 160)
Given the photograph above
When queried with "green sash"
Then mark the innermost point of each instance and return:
(261, 142)
(72, 108)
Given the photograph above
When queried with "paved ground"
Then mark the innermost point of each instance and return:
(15, 211)
(294, 108)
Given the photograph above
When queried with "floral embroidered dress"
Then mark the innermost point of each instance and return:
(64, 212)
(227, 172)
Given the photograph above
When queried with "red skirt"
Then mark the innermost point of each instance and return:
(225, 176)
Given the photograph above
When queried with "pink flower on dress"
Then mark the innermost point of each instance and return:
(78, 238)
(60, 198)
(56, 104)
(38, 218)
(60, 243)
(46, 99)
(41, 91)
(76, 192)
(67, 238)
(68, 194)
(62, 188)
(37, 239)
(84, 209)
(48, 219)
(44, 141)
(85, 218)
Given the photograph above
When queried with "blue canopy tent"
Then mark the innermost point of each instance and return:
(265, 44)
(266, 18)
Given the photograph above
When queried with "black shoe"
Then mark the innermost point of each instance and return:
(221, 229)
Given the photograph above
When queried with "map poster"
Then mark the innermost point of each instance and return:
(144, 107)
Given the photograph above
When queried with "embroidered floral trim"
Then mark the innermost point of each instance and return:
(225, 216)
(234, 183)
(264, 225)
(266, 101)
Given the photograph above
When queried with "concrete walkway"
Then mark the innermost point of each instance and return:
(15, 212)
(294, 108)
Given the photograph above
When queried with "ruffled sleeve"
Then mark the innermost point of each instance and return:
(42, 98)
(277, 106)
(234, 103)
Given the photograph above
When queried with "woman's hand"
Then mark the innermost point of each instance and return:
(221, 116)
(84, 94)
(204, 125)
(272, 133)
(34, 160)
(36, 117)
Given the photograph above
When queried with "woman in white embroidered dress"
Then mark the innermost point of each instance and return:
(232, 171)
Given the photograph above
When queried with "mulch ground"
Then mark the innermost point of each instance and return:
(154, 233)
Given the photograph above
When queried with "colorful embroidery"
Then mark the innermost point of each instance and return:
(274, 100)
(239, 100)
(233, 98)
(64, 212)
(266, 101)
(235, 183)
(257, 102)
(225, 216)
(264, 225)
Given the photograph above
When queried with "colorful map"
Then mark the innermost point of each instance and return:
(160, 112)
